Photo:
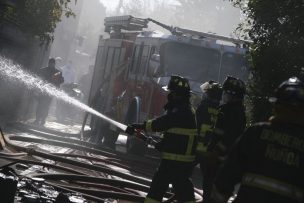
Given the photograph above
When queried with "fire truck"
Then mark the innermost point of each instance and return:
(133, 65)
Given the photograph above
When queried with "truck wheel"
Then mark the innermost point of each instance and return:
(134, 145)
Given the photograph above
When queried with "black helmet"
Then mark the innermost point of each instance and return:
(212, 89)
(52, 60)
(178, 84)
(290, 92)
(234, 86)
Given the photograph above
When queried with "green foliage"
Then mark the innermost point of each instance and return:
(277, 31)
(38, 17)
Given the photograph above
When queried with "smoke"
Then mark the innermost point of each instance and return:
(76, 39)
(14, 73)
(214, 16)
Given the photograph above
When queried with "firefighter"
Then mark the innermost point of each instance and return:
(54, 76)
(177, 146)
(268, 157)
(206, 115)
(230, 124)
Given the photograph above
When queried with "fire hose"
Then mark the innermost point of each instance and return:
(96, 180)
(79, 164)
(137, 165)
(102, 193)
(61, 168)
(136, 169)
(108, 153)
(137, 162)
(68, 161)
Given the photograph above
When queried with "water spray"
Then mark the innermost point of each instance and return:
(15, 73)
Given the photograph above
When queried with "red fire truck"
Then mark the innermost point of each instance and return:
(133, 65)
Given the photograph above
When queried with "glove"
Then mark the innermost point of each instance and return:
(135, 126)
(159, 146)
(56, 76)
(139, 126)
(130, 130)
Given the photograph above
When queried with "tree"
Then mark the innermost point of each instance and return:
(277, 31)
(37, 17)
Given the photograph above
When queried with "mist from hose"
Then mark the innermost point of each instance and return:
(14, 73)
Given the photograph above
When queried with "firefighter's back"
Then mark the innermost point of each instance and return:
(273, 164)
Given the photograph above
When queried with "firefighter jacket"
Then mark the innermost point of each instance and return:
(51, 75)
(179, 133)
(229, 126)
(268, 160)
(206, 115)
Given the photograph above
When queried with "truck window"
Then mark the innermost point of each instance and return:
(235, 65)
(194, 62)
(122, 55)
(116, 61)
(98, 64)
(144, 60)
(134, 59)
(109, 63)
(99, 68)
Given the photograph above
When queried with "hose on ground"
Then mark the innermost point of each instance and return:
(112, 182)
(89, 197)
(68, 161)
(134, 168)
(103, 193)
(76, 163)
(25, 161)
(90, 145)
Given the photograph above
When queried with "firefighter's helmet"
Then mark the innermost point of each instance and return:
(178, 84)
(212, 89)
(234, 86)
(52, 60)
(290, 92)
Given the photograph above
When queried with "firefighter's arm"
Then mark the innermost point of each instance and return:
(217, 135)
(58, 78)
(225, 133)
(135, 126)
(235, 166)
(160, 124)
(224, 184)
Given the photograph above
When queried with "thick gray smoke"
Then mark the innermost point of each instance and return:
(14, 73)
(215, 16)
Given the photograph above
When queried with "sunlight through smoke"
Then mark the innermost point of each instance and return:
(15, 73)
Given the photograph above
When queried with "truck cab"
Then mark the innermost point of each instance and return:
(133, 65)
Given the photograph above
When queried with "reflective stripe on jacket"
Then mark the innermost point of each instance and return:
(179, 133)
(206, 114)
(273, 185)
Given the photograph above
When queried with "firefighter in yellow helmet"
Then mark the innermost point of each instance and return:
(206, 115)
(268, 159)
(177, 146)
(230, 124)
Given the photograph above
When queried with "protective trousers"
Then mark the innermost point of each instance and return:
(209, 164)
(176, 173)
